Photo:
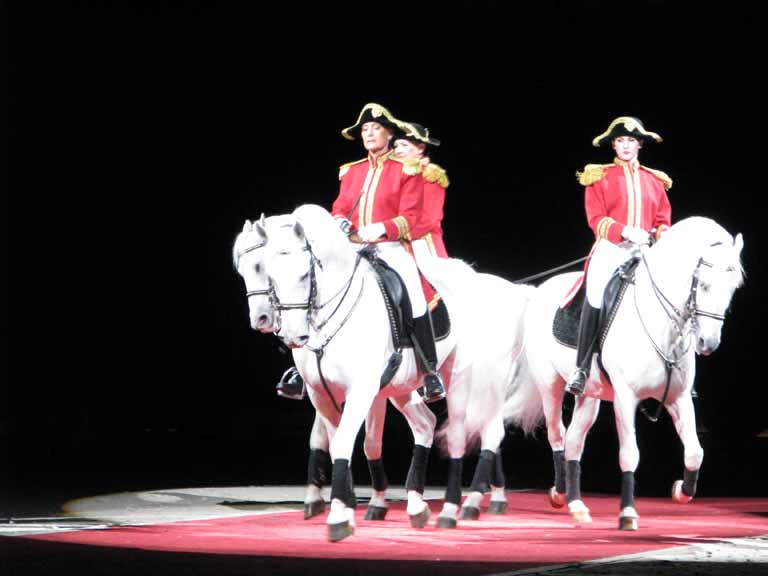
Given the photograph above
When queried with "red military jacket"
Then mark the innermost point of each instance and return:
(619, 195)
(383, 189)
(430, 227)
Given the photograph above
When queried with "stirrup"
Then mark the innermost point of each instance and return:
(291, 385)
(433, 388)
(577, 382)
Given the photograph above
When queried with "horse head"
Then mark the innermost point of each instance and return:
(707, 260)
(717, 276)
(248, 260)
(304, 248)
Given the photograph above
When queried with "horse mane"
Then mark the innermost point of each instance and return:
(322, 231)
(694, 234)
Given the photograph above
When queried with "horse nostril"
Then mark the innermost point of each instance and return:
(303, 339)
(262, 320)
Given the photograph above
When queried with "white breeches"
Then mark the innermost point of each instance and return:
(605, 259)
(398, 258)
(422, 251)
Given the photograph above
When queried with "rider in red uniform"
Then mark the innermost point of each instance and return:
(624, 201)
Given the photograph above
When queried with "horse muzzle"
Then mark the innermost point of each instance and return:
(705, 346)
(264, 323)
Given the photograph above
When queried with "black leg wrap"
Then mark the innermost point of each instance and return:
(558, 460)
(378, 476)
(481, 482)
(690, 477)
(340, 487)
(417, 473)
(453, 490)
(352, 500)
(627, 489)
(498, 470)
(319, 468)
(573, 480)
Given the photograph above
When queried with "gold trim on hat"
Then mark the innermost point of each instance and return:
(377, 110)
(631, 124)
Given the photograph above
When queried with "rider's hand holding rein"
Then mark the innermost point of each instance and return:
(372, 232)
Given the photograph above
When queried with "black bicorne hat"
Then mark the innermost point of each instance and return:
(416, 133)
(372, 112)
(626, 126)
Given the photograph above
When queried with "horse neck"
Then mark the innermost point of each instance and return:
(338, 268)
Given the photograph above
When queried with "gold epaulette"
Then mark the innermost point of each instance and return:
(591, 174)
(344, 168)
(434, 173)
(411, 166)
(666, 180)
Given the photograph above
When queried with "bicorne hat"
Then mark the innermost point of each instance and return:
(372, 112)
(416, 133)
(626, 126)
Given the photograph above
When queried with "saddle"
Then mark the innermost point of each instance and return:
(400, 313)
(565, 326)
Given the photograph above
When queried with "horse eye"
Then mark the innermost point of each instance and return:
(257, 267)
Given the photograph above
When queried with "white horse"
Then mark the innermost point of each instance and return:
(675, 309)
(328, 300)
(248, 255)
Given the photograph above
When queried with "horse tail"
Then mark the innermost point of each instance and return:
(523, 407)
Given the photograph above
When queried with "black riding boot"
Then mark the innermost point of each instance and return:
(291, 385)
(586, 346)
(425, 335)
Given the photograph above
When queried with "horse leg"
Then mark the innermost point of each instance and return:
(341, 519)
(481, 482)
(498, 503)
(456, 444)
(585, 412)
(624, 409)
(422, 423)
(684, 418)
(552, 403)
(374, 429)
(318, 469)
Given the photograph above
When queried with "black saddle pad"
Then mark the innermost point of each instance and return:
(440, 320)
(565, 326)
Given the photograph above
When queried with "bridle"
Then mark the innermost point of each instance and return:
(688, 315)
(311, 306)
(269, 291)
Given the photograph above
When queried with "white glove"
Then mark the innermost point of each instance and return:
(372, 232)
(635, 235)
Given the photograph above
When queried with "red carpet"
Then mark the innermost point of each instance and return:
(530, 532)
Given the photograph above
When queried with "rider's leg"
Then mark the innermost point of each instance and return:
(425, 335)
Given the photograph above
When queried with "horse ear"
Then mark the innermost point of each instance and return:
(259, 228)
(247, 227)
(298, 229)
(263, 220)
(738, 243)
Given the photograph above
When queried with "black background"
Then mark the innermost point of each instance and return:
(140, 137)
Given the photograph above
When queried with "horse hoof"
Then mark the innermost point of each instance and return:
(627, 523)
(556, 499)
(313, 509)
(420, 520)
(497, 507)
(470, 513)
(678, 495)
(446, 522)
(340, 531)
(376, 513)
(581, 517)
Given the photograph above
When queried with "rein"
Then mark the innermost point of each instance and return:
(311, 307)
(679, 320)
(550, 271)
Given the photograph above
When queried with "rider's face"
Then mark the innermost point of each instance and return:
(375, 137)
(405, 149)
(626, 147)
